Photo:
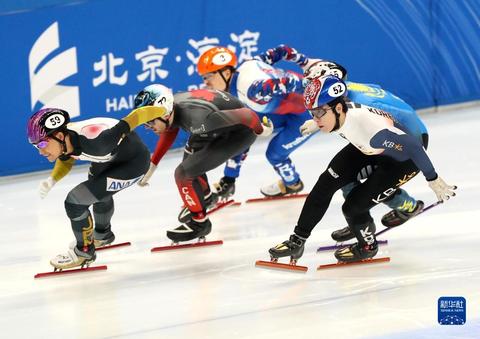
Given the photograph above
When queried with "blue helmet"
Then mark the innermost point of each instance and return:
(323, 90)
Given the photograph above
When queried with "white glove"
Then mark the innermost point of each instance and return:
(45, 187)
(441, 189)
(144, 181)
(267, 125)
(309, 127)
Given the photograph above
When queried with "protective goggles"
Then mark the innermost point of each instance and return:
(319, 112)
(41, 144)
(151, 123)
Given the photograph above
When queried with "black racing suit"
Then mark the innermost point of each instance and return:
(219, 126)
(119, 159)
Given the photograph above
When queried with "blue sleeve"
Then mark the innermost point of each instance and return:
(263, 91)
(404, 147)
(282, 52)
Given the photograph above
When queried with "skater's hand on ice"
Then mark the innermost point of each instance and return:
(45, 186)
(267, 125)
(309, 127)
(441, 189)
(144, 181)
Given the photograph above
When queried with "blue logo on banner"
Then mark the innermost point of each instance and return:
(452, 310)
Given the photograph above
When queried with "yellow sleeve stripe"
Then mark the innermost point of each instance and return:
(61, 168)
(144, 114)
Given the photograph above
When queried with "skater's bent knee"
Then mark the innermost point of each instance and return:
(75, 211)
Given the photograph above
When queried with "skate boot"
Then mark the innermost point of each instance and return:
(279, 189)
(356, 252)
(225, 188)
(74, 258)
(210, 202)
(397, 217)
(343, 234)
(293, 248)
(103, 239)
(192, 229)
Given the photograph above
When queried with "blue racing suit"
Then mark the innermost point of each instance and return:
(278, 95)
(374, 96)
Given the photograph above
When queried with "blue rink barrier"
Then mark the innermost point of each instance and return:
(91, 57)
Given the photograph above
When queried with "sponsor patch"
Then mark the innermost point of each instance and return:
(114, 185)
(332, 173)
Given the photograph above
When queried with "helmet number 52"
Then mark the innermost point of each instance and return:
(337, 89)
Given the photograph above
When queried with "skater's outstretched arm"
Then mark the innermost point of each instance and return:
(282, 52)
(62, 168)
(163, 145)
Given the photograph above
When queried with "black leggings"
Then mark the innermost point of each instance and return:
(190, 174)
(388, 175)
(104, 180)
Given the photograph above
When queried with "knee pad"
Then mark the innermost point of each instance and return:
(75, 211)
(179, 173)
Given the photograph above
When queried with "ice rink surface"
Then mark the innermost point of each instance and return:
(216, 292)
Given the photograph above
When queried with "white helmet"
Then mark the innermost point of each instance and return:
(155, 95)
(317, 68)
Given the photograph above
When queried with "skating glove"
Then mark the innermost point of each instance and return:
(267, 125)
(309, 127)
(144, 181)
(441, 189)
(45, 186)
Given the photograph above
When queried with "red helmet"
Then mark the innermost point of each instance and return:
(215, 59)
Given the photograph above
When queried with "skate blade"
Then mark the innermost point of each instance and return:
(221, 205)
(279, 266)
(182, 246)
(336, 247)
(362, 262)
(110, 246)
(70, 271)
(283, 197)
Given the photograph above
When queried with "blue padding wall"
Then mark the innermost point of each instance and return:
(91, 57)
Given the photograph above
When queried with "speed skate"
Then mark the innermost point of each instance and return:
(69, 262)
(202, 242)
(341, 245)
(112, 246)
(360, 262)
(221, 204)
(283, 197)
(57, 272)
(274, 264)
